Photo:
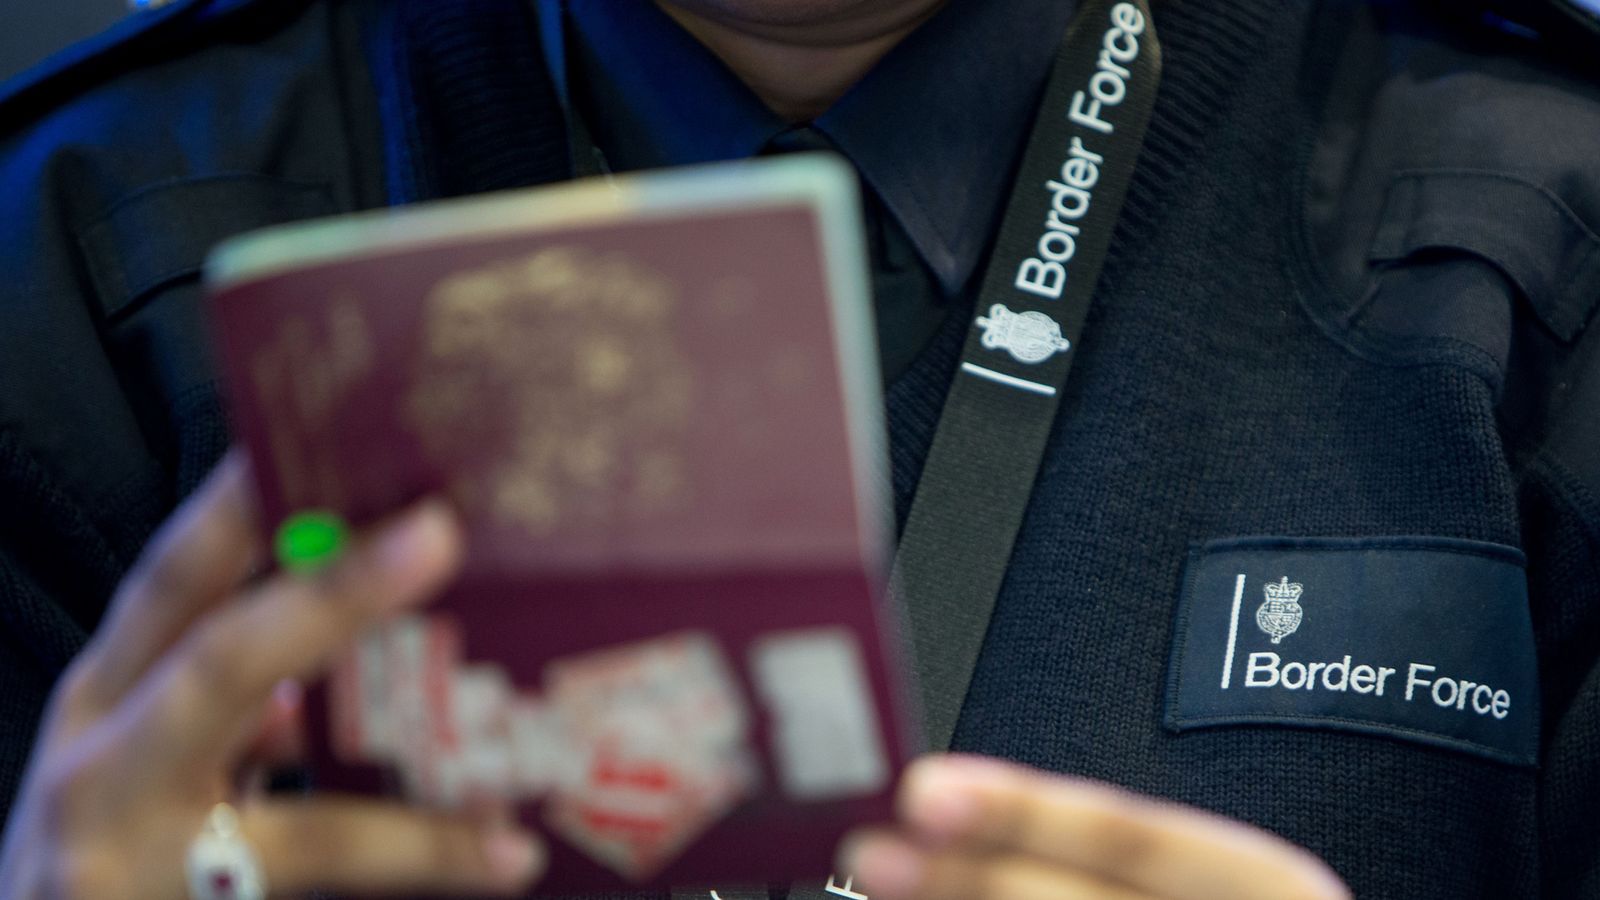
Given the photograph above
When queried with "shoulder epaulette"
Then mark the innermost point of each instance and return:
(141, 36)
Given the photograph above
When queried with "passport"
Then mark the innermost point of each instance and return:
(654, 401)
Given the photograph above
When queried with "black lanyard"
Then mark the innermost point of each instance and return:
(1036, 293)
(1034, 299)
(1035, 296)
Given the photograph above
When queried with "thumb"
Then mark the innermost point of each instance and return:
(371, 847)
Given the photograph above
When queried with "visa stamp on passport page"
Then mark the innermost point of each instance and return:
(654, 402)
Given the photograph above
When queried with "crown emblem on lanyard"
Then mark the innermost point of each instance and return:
(1030, 337)
(1280, 615)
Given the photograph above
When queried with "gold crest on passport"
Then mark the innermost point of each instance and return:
(573, 349)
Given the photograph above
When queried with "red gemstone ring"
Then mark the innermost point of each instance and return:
(220, 864)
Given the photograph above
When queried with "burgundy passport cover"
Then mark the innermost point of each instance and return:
(659, 421)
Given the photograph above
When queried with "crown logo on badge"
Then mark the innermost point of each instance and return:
(1280, 615)
(1030, 337)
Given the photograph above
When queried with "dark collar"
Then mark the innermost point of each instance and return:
(935, 129)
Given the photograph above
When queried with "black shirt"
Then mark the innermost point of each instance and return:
(935, 129)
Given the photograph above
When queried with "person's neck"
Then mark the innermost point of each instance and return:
(799, 70)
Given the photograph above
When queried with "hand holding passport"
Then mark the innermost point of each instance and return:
(653, 401)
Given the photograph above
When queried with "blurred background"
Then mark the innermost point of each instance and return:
(33, 29)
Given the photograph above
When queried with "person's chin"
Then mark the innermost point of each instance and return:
(758, 15)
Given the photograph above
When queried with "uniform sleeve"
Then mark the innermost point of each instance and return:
(79, 486)
(56, 568)
(105, 418)
(118, 172)
(1561, 533)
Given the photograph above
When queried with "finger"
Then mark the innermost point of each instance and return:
(1161, 848)
(210, 691)
(202, 553)
(890, 868)
(369, 847)
(272, 745)
(279, 738)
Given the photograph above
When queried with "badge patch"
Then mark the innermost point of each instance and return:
(1422, 639)
(1030, 337)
